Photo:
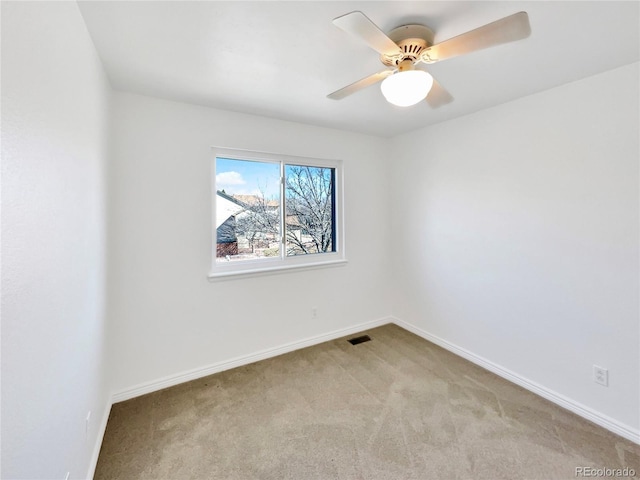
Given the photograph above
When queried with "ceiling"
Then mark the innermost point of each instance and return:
(281, 58)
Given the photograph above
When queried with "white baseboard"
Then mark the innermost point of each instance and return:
(98, 443)
(604, 421)
(189, 375)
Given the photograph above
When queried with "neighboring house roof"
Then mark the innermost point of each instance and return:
(293, 221)
(251, 200)
(227, 206)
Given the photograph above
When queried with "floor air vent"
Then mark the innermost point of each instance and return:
(357, 340)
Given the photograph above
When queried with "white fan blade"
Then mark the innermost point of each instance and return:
(438, 96)
(359, 25)
(507, 29)
(359, 85)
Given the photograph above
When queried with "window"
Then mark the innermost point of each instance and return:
(274, 212)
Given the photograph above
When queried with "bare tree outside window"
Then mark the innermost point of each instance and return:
(309, 207)
(259, 224)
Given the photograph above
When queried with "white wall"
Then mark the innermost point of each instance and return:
(167, 318)
(520, 227)
(54, 149)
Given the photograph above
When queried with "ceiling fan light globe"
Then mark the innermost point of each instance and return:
(404, 89)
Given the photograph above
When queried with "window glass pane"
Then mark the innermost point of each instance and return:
(247, 210)
(309, 209)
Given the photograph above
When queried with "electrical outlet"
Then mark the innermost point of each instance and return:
(601, 375)
(314, 312)
(87, 423)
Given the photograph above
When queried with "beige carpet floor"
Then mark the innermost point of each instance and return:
(396, 407)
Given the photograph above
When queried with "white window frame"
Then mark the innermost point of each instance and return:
(284, 262)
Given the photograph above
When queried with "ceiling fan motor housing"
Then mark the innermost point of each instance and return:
(412, 40)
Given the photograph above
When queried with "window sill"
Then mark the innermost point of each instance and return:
(257, 272)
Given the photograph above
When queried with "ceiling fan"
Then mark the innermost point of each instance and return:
(409, 45)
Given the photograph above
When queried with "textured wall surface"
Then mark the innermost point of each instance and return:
(54, 150)
(521, 238)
